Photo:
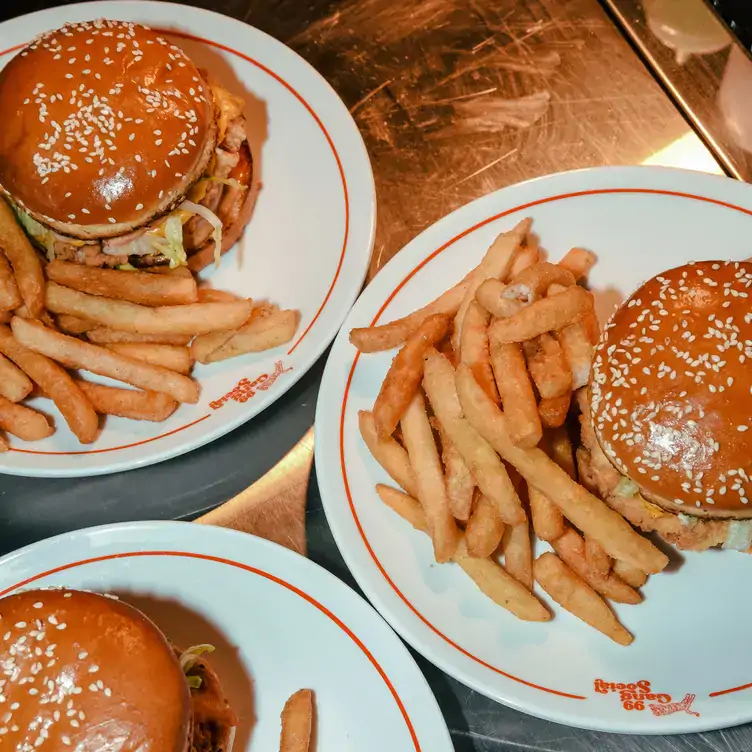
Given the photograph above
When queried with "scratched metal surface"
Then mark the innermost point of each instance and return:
(454, 98)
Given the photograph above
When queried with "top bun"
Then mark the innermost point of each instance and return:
(671, 389)
(105, 125)
(87, 672)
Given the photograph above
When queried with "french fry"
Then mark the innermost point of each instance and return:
(77, 354)
(105, 336)
(134, 286)
(10, 297)
(491, 294)
(297, 722)
(4, 445)
(403, 378)
(128, 403)
(553, 411)
(460, 483)
(174, 357)
(545, 315)
(528, 256)
(484, 529)
(492, 580)
(44, 317)
(571, 549)
(74, 325)
(597, 559)
(578, 351)
(27, 268)
(23, 422)
(578, 261)
(487, 469)
(496, 264)
(474, 347)
(533, 282)
(561, 452)
(14, 383)
(547, 366)
(194, 318)
(518, 553)
(264, 330)
(210, 295)
(584, 510)
(547, 519)
(577, 597)
(429, 478)
(53, 380)
(388, 453)
(5, 317)
(178, 271)
(516, 390)
(631, 575)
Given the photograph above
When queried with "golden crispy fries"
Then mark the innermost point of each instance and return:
(263, 331)
(528, 256)
(532, 283)
(5, 317)
(136, 287)
(23, 422)
(484, 529)
(4, 445)
(460, 483)
(178, 271)
(487, 469)
(553, 412)
(577, 597)
(77, 354)
(195, 318)
(388, 453)
(491, 579)
(14, 383)
(545, 315)
(578, 261)
(10, 297)
(474, 347)
(53, 380)
(405, 373)
(491, 294)
(578, 351)
(175, 357)
(571, 549)
(631, 575)
(597, 559)
(429, 478)
(297, 722)
(584, 510)
(105, 336)
(547, 519)
(547, 366)
(516, 392)
(27, 267)
(44, 317)
(385, 337)
(518, 554)
(496, 264)
(128, 403)
(74, 324)
(210, 295)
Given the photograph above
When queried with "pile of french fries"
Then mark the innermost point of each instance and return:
(471, 422)
(145, 329)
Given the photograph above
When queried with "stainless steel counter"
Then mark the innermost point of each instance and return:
(454, 98)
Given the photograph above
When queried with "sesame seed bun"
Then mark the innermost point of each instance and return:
(671, 389)
(106, 125)
(85, 671)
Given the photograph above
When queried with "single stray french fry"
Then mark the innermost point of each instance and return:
(297, 722)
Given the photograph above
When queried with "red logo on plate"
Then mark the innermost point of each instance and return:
(246, 389)
(634, 696)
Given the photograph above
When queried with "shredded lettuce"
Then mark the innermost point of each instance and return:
(43, 235)
(127, 268)
(170, 245)
(626, 487)
(188, 660)
(194, 682)
(739, 535)
(213, 220)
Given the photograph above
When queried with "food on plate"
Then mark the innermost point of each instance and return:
(128, 403)
(91, 672)
(104, 336)
(23, 422)
(14, 383)
(297, 722)
(667, 431)
(148, 163)
(173, 357)
(10, 297)
(502, 475)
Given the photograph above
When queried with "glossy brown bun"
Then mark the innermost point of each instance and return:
(671, 389)
(85, 671)
(106, 125)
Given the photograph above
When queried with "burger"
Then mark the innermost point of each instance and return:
(116, 151)
(83, 671)
(667, 424)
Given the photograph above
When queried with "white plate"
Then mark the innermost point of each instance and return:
(279, 623)
(690, 632)
(307, 246)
